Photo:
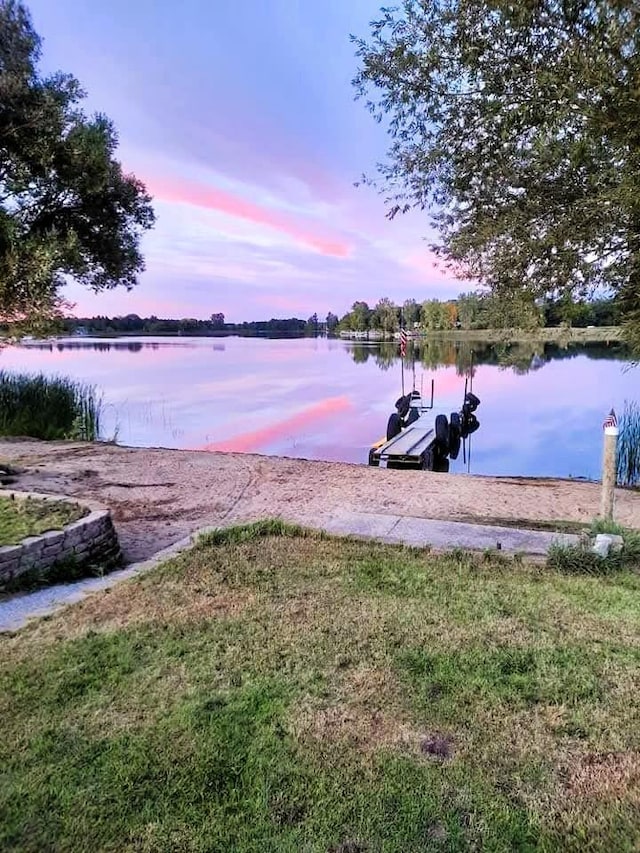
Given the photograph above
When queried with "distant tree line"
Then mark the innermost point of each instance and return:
(469, 311)
(479, 311)
(132, 324)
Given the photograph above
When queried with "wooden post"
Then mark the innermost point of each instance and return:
(609, 466)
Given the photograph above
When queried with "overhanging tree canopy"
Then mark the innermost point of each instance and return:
(66, 207)
(518, 123)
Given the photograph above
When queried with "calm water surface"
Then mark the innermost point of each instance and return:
(541, 413)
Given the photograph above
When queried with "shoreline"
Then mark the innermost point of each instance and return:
(158, 496)
(598, 334)
(551, 334)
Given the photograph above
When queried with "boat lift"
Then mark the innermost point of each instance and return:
(419, 439)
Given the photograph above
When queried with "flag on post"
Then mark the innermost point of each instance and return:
(403, 343)
(611, 420)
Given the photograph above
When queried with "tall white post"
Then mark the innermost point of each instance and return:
(609, 466)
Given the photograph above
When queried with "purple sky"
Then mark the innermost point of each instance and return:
(240, 117)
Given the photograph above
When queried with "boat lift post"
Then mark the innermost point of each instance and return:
(402, 349)
(413, 366)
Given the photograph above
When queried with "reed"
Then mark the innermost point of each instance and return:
(629, 445)
(48, 407)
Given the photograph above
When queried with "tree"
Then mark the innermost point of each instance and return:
(517, 123)
(360, 317)
(410, 313)
(515, 310)
(312, 325)
(452, 314)
(470, 310)
(385, 316)
(434, 316)
(332, 321)
(66, 206)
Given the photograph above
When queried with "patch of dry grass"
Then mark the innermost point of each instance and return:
(608, 777)
(362, 707)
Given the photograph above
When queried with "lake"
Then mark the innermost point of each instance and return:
(541, 413)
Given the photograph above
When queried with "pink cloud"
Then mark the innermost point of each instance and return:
(257, 439)
(188, 192)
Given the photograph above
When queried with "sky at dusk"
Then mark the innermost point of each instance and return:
(240, 118)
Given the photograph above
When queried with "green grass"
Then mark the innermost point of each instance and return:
(20, 518)
(47, 407)
(581, 559)
(272, 690)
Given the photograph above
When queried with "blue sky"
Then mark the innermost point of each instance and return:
(240, 118)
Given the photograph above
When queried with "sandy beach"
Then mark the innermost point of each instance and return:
(158, 496)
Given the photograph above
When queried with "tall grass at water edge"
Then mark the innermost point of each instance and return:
(629, 445)
(48, 407)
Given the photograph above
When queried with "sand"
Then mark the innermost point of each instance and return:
(158, 496)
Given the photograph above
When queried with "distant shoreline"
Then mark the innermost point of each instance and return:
(552, 334)
(602, 334)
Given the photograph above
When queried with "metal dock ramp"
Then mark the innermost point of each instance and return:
(411, 448)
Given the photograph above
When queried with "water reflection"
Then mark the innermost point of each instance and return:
(108, 345)
(522, 357)
(542, 404)
(428, 353)
(254, 440)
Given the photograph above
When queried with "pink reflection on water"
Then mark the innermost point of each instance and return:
(260, 438)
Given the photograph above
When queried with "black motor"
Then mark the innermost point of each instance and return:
(403, 405)
(469, 424)
(471, 403)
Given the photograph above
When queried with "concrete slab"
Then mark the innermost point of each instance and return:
(476, 537)
(443, 535)
(368, 525)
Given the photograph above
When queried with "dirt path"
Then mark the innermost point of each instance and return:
(158, 496)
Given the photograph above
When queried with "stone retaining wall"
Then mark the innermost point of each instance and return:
(91, 540)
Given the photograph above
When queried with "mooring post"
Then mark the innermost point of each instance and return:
(609, 466)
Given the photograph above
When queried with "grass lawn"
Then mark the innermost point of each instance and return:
(286, 692)
(20, 518)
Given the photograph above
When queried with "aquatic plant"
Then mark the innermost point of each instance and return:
(629, 445)
(48, 407)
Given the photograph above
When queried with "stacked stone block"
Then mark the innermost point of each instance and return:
(90, 541)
